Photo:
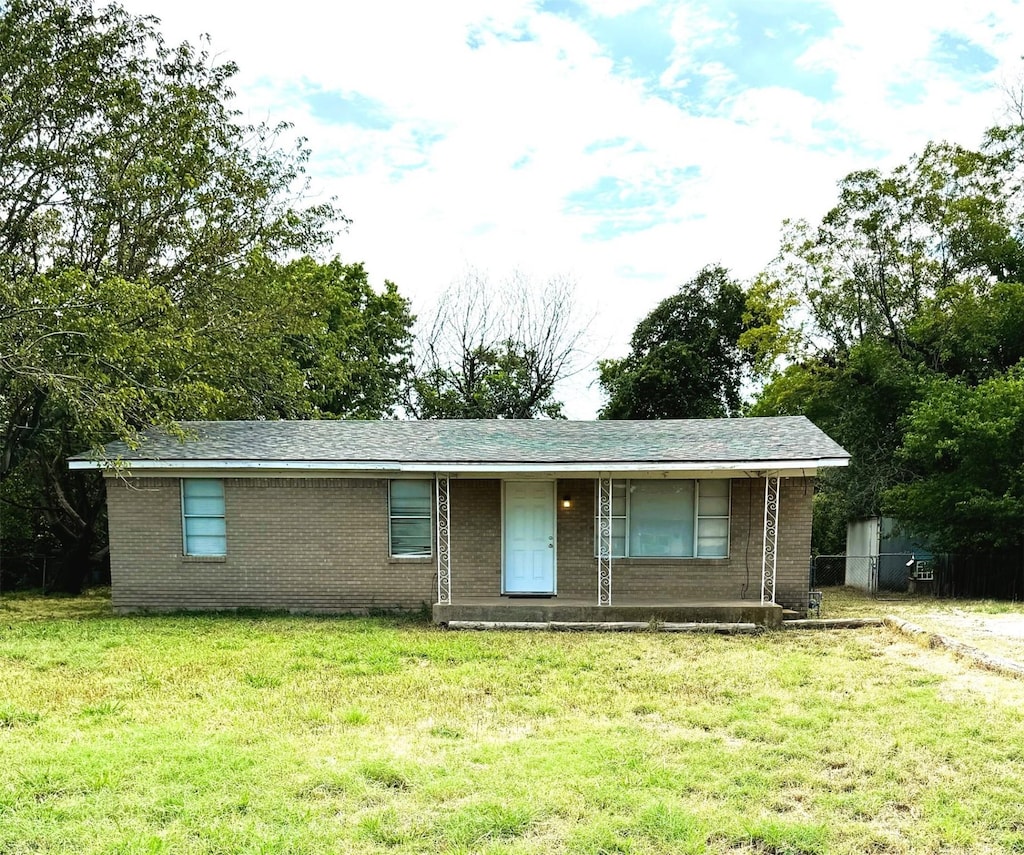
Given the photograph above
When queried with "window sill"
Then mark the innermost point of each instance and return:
(204, 559)
(647, 561)
(410, 559)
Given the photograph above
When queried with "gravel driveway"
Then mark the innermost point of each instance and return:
(998, 634)
(994, 627)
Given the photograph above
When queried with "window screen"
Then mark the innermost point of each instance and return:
(202, 513)
(410, 518)
(661, 519)
(713, 518)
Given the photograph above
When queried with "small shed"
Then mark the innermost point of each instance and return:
(882, 555)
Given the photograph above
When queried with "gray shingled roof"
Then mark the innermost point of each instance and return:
(491, 441)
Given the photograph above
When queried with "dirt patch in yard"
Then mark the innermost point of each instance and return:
(994, 627)
(959, 676)
(1000, 635)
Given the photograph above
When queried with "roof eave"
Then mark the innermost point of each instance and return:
(806, 465)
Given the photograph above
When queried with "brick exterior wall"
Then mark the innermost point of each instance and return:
(476, 538)
(312, 544)
(303, 544)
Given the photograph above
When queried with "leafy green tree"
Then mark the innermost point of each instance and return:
(971, 329)
(964, 452)
(911, 280)
(685, 360)
(121, 155)
(143, 228)
(859, 400)
(349, 343)
(91, 359)
(772, 327)
(892, 242)
(84, 359)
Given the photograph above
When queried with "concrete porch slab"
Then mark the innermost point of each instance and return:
(560, 610)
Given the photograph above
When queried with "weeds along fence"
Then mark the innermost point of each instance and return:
(989, 575)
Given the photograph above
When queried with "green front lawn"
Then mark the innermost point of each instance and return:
(191, 734)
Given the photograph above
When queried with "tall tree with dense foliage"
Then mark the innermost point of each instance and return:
(349, 343)
(963, 451)
(858, 400)
(910, 304)
(685, 360)
(143, 232)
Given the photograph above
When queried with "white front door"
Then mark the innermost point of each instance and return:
(529, 537)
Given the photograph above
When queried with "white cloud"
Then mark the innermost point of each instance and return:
(469, 97)
(614, 8)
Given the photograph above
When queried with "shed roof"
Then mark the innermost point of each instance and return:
(456, 443)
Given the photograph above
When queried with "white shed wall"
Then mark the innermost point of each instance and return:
(861, 542)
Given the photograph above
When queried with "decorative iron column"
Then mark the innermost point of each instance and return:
(604, 541)
(444, 544)
(771, 538)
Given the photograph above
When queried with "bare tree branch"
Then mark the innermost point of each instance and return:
(497, 351)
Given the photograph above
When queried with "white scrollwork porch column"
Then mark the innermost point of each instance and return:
(771, 538)
(604, 541)
(444, 544)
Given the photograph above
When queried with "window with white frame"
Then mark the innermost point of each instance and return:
(669, 518)
(617, 520)
(202, 517)
(713, 517)
(409, 514)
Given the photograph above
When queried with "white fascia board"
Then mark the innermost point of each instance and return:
(327, 465)
(808, 466)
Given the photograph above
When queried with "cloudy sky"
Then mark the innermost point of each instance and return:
(622, 143)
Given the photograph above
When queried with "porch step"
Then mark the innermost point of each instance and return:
(553, 611)
(608, 626)
(789, 614)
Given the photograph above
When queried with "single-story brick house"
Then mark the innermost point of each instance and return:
(613, 519)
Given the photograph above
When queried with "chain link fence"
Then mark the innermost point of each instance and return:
(828, 571)
(20, 572)
(889, 571)
(24, 572)
(994, 575)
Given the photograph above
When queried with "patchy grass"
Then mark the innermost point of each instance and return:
(28, 605)
(271, 734)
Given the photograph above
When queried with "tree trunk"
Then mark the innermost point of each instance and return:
(72, 570)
